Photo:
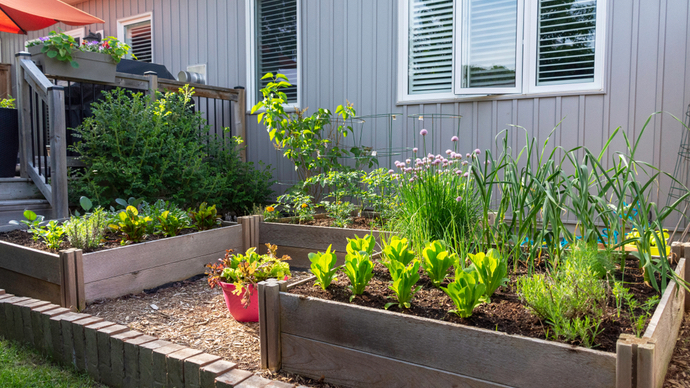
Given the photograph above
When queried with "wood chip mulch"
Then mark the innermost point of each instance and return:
(678, 374)
(192, 314)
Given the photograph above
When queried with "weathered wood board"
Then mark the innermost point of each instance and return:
(462, 350)
(131, 269)
(25, 285)
(310, 237)
(28, 261)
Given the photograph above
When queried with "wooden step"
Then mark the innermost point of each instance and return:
(18, 188)
(14, 210)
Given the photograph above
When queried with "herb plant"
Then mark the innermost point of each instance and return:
(7, 102)
(51, 234)
(637, 320)
(466, 292)
(86, 232)
(437, 261)
(492, 270)
(323, 267)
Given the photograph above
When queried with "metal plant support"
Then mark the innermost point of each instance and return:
(682, 173)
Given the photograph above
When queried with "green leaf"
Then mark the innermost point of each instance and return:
(29, 215)
(85, 203)
(267, 76)
(52, 54)
(74, 64)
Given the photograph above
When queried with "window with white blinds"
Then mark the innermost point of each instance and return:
(430, 59)
(489, 36)
(138, 37)
(137, 32)
(276, 43)
(474, 47)
(566, 41)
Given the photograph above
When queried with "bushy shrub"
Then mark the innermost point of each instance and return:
(133, 147)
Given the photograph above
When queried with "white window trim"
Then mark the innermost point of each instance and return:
(527, 12)
(75, 33)
(252, 92)
(124, 22)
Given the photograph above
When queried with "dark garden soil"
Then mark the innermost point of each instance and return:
(110, 240)
(357, 223)
(505, 313)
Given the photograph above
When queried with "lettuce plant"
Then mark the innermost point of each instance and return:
(206, 217)
(398, 249)
(131, 224)
(359, 269)
(404, 283)
(466, 291)
(323, 267)
(358, 244)
(437, 261)
(492, 270)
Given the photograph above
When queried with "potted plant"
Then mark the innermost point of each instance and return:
(60, 55)
(238, 274)
(9, 133)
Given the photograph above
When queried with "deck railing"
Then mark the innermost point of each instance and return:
(43, 122)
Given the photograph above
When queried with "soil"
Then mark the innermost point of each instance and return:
(505, 313)
(110, 240)
(365, 223)
(192, 314)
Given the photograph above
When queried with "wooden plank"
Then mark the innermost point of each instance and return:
(18, 188)
(665, 324)
(201, 90)
(676, 252)
(246, 240)
(79, 278)
(31, 262)
(312, 237)
(58, 151)
(295, 284)
(686, 253)
(263, 342)
(130, 259)
(34, 76)
(353, 368)
(624, 363)
(5, 80)
(20, 284)
(272, 311)
(645, 366)
(136, 281)
(69, 282)
(38, 180)
(152, 77)
(468, 351)
(23, 98)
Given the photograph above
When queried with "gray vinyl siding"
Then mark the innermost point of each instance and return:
(349, 51)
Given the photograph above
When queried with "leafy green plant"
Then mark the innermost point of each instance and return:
(492, 270)
(7, 102)
(269, 212)
(205, 217)
(110, 46)
(466, 292)
(86, 232)
(637, 320)
(571, 300)
(312, 143)
(131, 225)
(300, 204)
(364, 244)
(589, 254)
(359, 269)
(162, 149)
(170, 224)
(51, 234)
(340, 212)
(404, 280)
(244, 270)
(58, 45)
(437, 261)
(32, 221)
(398, 249)
(323, 267)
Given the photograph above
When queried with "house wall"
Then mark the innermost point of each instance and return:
(348, 53)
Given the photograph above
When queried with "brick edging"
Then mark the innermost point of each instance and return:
(115, 355)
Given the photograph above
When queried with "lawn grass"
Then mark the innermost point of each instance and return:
(21, 366)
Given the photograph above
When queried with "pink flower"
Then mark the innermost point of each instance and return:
(458, 199)
(454, 138)
(467, 174)
(415, 149)
(408, 161)
(448, 152)
(423, 132)
(391, 172)
(468, 155)
(477, 151)
(458, 172)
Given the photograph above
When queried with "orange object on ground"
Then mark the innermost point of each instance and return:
(20, 16)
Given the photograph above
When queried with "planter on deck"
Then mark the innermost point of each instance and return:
(92, 66)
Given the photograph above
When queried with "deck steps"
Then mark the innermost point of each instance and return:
(17, 195)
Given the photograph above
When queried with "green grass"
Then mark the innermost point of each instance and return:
(21, 366)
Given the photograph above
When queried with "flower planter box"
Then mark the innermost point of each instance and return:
(92, 66)
(297, 241)
(73, 278)
(363, 347)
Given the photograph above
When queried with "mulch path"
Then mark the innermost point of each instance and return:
(678, 374)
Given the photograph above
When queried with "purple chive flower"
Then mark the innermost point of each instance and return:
(448, 152)
(454, 139)
(468, 155)
(488, 162)
(464, 163)
(415, 149)
(458, 172)
(458, 199)
(423, 132)
(477, 151)
(411, 179)
(391, 172)
(467, 174)
(408, 161)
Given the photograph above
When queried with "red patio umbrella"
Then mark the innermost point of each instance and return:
(20, 16)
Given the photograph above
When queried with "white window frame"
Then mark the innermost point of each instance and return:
(526, 60)
(251, 89)
(128, 21)
(75, 33)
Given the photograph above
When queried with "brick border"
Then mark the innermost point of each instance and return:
(115, 355)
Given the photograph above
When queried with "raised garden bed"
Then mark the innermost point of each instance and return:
(360, 346)
(78, 278)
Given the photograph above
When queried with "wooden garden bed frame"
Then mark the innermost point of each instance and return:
(73, 278)
(364, 347)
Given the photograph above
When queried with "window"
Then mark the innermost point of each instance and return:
(274, 48)
(137, 32)
(480, 47)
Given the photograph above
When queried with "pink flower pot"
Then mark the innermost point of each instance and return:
(234, 303)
